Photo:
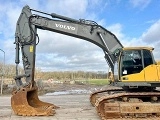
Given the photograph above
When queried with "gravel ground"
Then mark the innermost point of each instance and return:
(84, 88)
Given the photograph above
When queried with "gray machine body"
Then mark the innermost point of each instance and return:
(26, 40)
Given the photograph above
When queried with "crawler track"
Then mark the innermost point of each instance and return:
(95, 95)
(129, 105)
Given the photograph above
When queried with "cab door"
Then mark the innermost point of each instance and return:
(150, 69)
(158, 71)
(131, 66)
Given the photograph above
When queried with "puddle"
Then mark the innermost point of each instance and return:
(69, 92)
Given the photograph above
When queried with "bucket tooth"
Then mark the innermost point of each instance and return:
(25, 102)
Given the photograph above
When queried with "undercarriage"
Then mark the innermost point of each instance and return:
(120, 104)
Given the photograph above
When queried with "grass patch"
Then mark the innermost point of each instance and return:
(99, 81)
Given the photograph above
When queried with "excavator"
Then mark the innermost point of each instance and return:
(135, 72)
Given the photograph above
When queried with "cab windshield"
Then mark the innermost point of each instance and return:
(132, 62)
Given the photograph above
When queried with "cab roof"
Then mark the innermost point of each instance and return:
(138, 48)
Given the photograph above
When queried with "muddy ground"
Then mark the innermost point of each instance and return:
(72, 87)
(80, 88)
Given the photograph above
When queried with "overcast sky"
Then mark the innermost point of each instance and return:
(134, 22)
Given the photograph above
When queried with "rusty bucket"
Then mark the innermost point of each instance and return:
(25, 102)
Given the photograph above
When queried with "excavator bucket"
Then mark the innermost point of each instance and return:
(25, 102)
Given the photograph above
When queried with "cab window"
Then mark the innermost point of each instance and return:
(131, 62)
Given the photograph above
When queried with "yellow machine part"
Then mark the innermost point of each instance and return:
(25, 102)
(150, 74)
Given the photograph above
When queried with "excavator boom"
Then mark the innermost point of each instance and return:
(25, 97)
(26, 32)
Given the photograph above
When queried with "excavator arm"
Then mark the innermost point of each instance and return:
(26, 32)
(25, 39)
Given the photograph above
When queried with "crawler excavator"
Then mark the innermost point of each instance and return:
(135, 72)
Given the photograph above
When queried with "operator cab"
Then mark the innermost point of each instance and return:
(135, 68)
(135, 60)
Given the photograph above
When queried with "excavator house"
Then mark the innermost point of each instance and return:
(135, 72)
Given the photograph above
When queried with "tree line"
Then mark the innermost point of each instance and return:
(10, 71)
(70, 75)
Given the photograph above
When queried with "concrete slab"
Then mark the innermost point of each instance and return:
(72, 107)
